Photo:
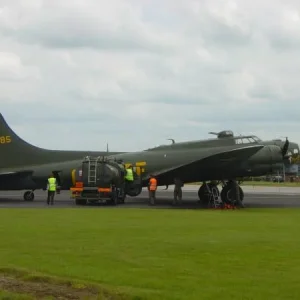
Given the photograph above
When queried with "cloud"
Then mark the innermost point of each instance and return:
(135, 73)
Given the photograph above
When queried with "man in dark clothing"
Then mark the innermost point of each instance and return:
(237, 196)
(177, 190)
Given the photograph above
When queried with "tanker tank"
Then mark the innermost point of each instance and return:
(99, 179)
(107, 173)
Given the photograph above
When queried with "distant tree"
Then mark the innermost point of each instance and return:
(295, 159)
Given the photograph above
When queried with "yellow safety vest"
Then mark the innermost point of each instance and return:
(52, 184)
(129, 175)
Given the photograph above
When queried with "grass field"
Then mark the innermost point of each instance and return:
(151, 253)
(269, 183)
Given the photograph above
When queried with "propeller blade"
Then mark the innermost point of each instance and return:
(285, 147)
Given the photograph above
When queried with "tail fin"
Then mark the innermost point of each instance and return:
(9, 138)
(17, 153)
(13, 150)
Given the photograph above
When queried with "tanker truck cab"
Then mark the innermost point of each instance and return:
(101, 180)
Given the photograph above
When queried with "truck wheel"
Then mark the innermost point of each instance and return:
(122, 199)
(115, 200)
(81, 201)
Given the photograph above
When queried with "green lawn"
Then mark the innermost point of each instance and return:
(158, 253)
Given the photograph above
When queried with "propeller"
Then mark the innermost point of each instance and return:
(285, 147)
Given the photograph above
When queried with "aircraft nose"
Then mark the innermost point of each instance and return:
(269, 154)
(274, 153)
(293, 149)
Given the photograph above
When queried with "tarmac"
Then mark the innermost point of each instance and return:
(255, 197)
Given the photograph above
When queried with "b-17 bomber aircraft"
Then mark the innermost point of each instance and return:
(218, 160)
(221, 159)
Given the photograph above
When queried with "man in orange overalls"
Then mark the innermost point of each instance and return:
(152, 186)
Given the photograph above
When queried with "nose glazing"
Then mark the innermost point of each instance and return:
(293, 149)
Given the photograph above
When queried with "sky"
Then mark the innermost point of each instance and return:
(77, 74)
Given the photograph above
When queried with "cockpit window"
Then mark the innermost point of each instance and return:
(256, 138)
(246, 140)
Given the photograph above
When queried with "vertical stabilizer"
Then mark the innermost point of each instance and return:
(15, 152)
(13, 148)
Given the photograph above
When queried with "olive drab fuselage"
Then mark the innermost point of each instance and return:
(224, 157)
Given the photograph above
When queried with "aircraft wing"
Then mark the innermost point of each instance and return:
(225, 160)
(29, 170)
(15, 173)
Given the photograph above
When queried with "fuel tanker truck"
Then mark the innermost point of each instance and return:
(99, 179)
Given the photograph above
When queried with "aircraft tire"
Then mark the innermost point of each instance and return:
(202, 194)
(134, 190)
(28, 196)
(228, 192)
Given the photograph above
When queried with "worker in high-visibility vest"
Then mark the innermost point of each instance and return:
(51, 189)
(129, 174)
(152, 187)
(129, 178)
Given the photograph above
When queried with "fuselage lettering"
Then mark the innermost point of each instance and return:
(5, 139)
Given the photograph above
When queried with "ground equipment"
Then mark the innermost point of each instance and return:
(99, 179)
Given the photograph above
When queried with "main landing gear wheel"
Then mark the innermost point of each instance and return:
(228, 193)
(204, 194)
(28, 196)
